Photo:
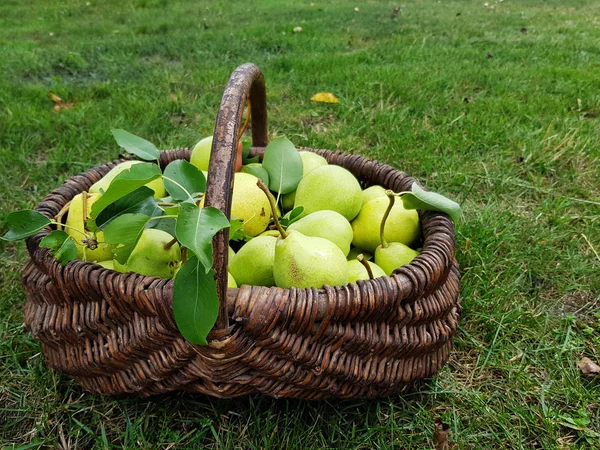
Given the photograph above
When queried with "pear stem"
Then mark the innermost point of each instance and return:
(265, 189)
(364, 262)
(392, 198)
(170, 244)
(84, 195)
(243, 130)
(60, 215)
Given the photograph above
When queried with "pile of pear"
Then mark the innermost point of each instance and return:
(341, 228)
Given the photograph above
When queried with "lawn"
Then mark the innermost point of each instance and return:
(494, 105)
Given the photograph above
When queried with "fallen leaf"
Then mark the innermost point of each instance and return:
(325, 97)
(58, 103)
(440, 435)
(356, 9)
(588, 367)
(297, 29)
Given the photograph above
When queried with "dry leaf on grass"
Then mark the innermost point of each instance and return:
(588, 367)
(440, 435)
(58, 102)
(325, 97)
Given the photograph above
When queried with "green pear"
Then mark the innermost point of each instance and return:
(231, 281)
(390, 256)
(287, 201)
(230, 253)
(201, 153)
(108, 264)
(155, 255)
(355, 251)
(372, 192)
(329, 187)
(156, 185)
(327, 224)
(393, 256)
(402, 225)
(94, 247)
(310, 161)
(253, 263)
(305, 261)
(357, 271)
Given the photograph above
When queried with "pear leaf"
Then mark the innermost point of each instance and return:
(246, 153)
(181, 176)
(124, 183)
(292, 216)
(419, 198)
(195, 301)
(24, 223)
(140, 201)
(258, 172)
(61, 245)
(141, 148)
(125, 230)
(283, 164)
(236, 232)
(195, 229)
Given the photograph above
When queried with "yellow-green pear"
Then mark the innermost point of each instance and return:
(155, 255)
(273, 233)
(230, 253)
(253, 263)
(327, 224)
(357, 271)
(329, 187)
(249, 204)
(231, 283)
(393, 256)
(156, 185)
(94, 248)
(201, 153)
(372, 192)
(305, 261)
(401, 226)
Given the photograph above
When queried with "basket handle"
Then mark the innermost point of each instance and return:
(247, 81)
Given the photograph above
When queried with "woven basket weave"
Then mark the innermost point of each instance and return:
(115, 333)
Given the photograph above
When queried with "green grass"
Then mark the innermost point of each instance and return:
(504, 120)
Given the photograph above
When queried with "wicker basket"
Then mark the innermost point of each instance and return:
(115, 333)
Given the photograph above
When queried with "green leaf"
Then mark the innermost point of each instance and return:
(258, 171)
(195, 301)
(283, 164)
(136, 145)
(418, 198)
(196, 228)
(292, 216)
(61, 245)
(24, 223)
(140, 201)
(125, 183)
(236, 232)
(126, 230)
(185, 174)
(246, 152)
